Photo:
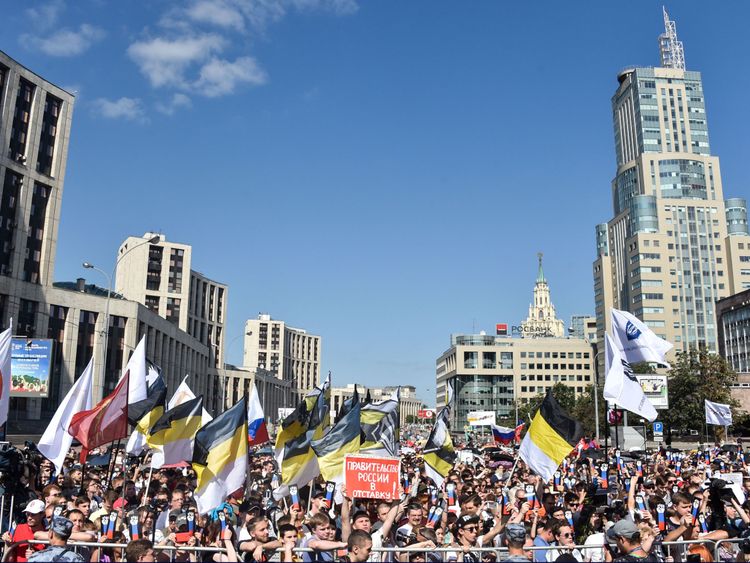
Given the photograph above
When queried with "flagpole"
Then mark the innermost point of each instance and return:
(148, 484)
(513, 469)
(310, 495)
(113, 462)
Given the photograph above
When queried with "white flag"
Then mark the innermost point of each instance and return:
(718, 413)
(5, 375)
(635, 341)
(137, 441)
(136, 366)
(621, 386)
(55, 442)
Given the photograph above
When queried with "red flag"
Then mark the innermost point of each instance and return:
(106, 422)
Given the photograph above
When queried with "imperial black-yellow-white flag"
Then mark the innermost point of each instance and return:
(439, 454)
(220, 457)
(380, 423)
(552, 435)
(343, 438)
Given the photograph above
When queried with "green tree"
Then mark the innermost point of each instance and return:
(695, 376)
(583, 411)
(563, 394)
(643, 367)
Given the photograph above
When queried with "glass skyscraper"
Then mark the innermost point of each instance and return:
(674, 245)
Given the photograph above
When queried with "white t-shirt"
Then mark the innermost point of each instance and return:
(594, 553)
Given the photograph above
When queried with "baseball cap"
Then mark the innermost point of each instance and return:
(622, 529)
(466, 520)
(35, 506)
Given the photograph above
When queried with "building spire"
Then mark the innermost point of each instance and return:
(672, 53)
(540, 275)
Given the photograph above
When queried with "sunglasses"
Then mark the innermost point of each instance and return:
(471, 528)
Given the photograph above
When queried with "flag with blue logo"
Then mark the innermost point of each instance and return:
(621, 386)
(635, 341)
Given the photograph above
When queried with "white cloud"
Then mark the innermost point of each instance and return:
(178, 101)
(338, 7)
(65, 42)
(219, 77)
(44, 16)
(164, 61)
(130, 109)
(216, 12)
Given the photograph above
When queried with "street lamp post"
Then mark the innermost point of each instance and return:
(105, 333)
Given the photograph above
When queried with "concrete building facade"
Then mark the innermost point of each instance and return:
(292, 354)
(158, 273)
(733, 315)
(583, 326)
(674, 245)
(490, 373)
(35, 125)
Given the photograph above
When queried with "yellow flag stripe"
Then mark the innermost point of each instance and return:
(332, 465)
(222, 455)
(438, 464)
(549, 442)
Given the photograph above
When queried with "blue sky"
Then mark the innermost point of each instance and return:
(380, 173)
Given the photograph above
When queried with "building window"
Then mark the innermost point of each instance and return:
(175, 270)
(152, 303)
(35, 238)
(21, 118)
(173, 310)
(56, 333)
(153, 271)
(115, 352)
(8, 209)
(85, 343)
(52, 107)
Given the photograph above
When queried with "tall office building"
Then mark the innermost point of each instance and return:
(674, 245)
(35, 119)
(35, 123)
(159, 276)
(292, 354)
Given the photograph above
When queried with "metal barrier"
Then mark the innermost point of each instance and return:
(720, 543)
(712, 546)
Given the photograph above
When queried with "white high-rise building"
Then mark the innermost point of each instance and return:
(292, 354)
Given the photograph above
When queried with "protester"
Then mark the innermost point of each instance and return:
(58, 549)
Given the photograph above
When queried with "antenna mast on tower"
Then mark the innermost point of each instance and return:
(672, 53)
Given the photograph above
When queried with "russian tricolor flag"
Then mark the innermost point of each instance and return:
(504, 435)
(257, 433)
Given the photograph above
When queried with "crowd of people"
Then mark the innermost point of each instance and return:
(640, 506)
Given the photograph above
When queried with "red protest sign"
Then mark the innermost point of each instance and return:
(372, 477)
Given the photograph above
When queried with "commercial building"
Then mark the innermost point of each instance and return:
(274, 393)
(292, 354)
(160, 276)
(409, 404)
(733, 315)
(674, 245)
(488, 373)
(583, 326)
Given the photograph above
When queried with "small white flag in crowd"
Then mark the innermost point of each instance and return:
(56, 440)
(718, 413)
(635, 341)
(621, 386)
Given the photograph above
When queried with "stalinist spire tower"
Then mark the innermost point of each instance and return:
(542, 321)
